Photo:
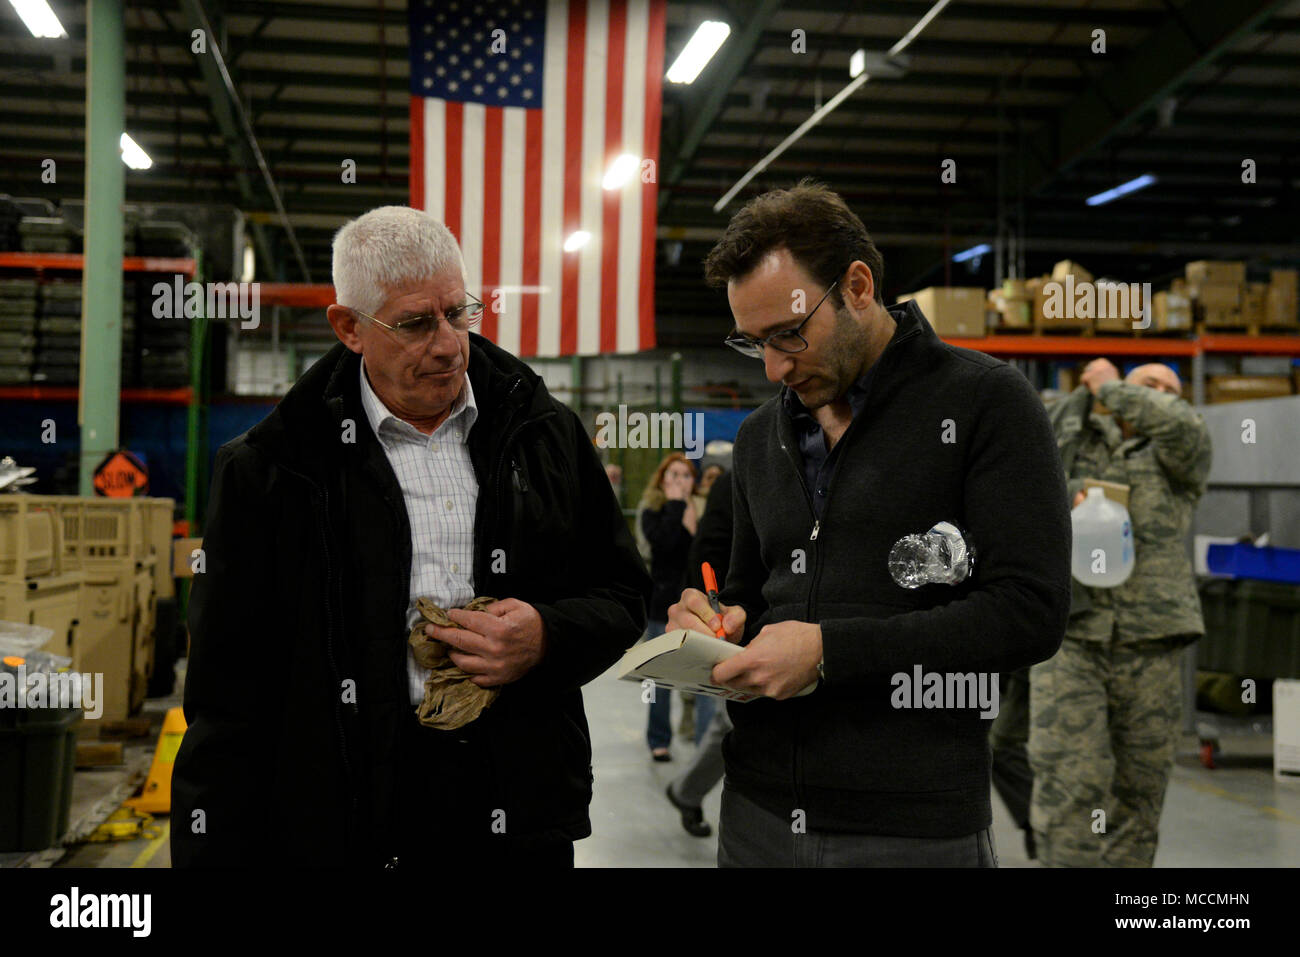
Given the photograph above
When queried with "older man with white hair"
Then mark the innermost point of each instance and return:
(415, 460)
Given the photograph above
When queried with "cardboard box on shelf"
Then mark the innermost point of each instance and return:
(1068, 268)
(1012, 312)
(1280, 307)
(1016, 289)
(952, 311)
(1171, 312)
(1253, 298)
(1237, 388)
(1119, 306)
(1016, 312)
(1220, 318)
(1286, 279)
(1178, 286)
(1046, 289)
(1217, 295)
(1215, 271)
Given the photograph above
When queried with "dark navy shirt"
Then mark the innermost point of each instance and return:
(818, 464)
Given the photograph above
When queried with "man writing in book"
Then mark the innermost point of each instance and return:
(880, 431)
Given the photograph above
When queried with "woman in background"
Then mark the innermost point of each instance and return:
(668, 515)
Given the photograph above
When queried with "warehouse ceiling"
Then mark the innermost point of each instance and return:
(1013, 92)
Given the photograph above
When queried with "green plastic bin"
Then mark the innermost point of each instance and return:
(38, 758)
(1251, 628)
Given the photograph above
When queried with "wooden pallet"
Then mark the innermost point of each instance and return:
(1086, 331)
(1246, 329)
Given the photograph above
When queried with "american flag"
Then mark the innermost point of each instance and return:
(518, 109)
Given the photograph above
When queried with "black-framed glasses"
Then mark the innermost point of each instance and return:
(421, 328)
(787, 340)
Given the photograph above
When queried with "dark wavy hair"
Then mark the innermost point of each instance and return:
(814, 223)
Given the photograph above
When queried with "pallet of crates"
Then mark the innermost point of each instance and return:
(97, 536)
(1279, 312)
(36, 587)
(159, 517)
(145, 612)
(1054, 298)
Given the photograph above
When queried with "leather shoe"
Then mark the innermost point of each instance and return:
(692, 817)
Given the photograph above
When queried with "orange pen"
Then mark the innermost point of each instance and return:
(711, 589)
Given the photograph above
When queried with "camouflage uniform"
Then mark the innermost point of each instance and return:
(1105, 710)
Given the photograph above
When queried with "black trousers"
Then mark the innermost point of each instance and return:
(752, 836)
(445, 815)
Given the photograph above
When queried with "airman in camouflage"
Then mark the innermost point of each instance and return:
(1105, 711)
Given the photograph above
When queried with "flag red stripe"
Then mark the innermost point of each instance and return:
(532, 230)
(417, 152)
(650, 191)
(573, 128)
(491, 277)
(610, 199)
(455, 159)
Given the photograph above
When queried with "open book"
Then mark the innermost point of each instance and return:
(684, 660)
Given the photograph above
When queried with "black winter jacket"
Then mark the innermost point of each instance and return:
(296, 686)
(670, 543)
(946, 434)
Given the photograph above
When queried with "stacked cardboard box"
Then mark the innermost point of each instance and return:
(1253, 300)
(952, 311)
(1120, 308)
(1280, 299)
(1216, 289)
(1055, 298)
(1171, 311)
(1013, 305)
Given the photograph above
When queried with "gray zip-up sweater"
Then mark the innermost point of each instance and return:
(946, 434)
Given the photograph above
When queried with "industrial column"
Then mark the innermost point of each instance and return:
(101, 281)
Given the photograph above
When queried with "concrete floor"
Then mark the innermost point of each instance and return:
(1234, 816)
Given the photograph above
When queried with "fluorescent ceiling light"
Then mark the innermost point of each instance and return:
(857, 63)
(698, 51)
(1123, 189)
(576, 241)
(40, 19)
(973, 252)
(620, 171)
(132, 155)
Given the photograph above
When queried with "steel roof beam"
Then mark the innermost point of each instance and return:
(1191, 37)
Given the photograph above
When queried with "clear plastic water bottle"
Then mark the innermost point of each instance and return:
(941, 556)
(1102, 555)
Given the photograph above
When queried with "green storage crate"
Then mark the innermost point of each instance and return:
(1251, 628)
(38, 758)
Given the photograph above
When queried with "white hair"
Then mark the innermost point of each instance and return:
(386, 247)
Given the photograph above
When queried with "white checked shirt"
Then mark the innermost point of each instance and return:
(440, 490)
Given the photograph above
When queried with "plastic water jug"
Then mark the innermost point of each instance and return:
(1102, 556)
